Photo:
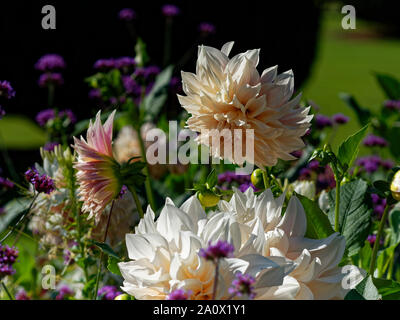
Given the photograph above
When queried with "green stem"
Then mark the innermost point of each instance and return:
(378, 240)
(337, 204)
(147, 183)
(391, 266)
(214, 295)
(137, 201)
(265, 179)
(96, 289)
(10, 296)
(50, 96)
(20, 220)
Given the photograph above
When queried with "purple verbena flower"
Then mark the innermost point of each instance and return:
(50, 62)
(5, 183)
(322, 121)
(104, 64)
(127, 14)
(8, 256)
(124, 189)
(50, 78)
(297, 153)
(243, 286)
(94, 94)
(131, 86)
(41, 183)
(340, 118)
(375, 141)
(22, 295)
(214, 252)
(6, 90)
(372, 239)
(369, 163)
(67, 113)
(244, 186)
(124, 62)
(44, 116)
(64, 292)
(108, 292)
(49, 146)
(170, 10)
(179, 294)
(392, 104)
(2, 211)
(206, 28)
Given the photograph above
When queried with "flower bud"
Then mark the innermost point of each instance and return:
(395, 186)
(208, 198)
(123, 297)
(257, 179)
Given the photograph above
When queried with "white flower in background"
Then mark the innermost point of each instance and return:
(316, 274)
(305, 188)
(165, 256)
(323, 201)
(230, 94)
(124, 217)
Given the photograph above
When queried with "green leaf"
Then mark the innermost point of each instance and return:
(112, 265)
(158, 95)
(364, 255)
(349, 149)
(13, 209)
(388, 289)
(390, 85)
(212, 179)
(141, 57)
(106, 249)
(363, 114)
(366, 289)
(354, 213)
(384, 258)
(394, 222)
(318, 225)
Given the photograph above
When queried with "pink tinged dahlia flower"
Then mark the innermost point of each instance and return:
(230, 94)
(97, 170)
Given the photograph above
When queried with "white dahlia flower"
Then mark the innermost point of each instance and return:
(230, 94)
(165, 257)
(316, 274)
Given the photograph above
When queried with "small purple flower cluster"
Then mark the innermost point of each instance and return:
(49, 146)
(6, 90)
(147, 72)
(124, 190)
(42, 183)
(5, 183)
(243, 286)
(7, 258)
(379, 205)
(206, 28)
(372, 163)
(22, 295)
(44, 116)
(122, 63)
(127, 14)
(322, 121)
(323, 175)
(64, 292)
(179, 294)
(214, 252)
(2, 211)
(169, 10)
(392, 104)
(50, 62)
(375, 141)
(372, 239)
(108, 292)
(228, 178)
(46, 79)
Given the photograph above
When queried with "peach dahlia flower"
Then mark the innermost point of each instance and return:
(96, 167)
(230, 94)
(165, 256)
(316, 274)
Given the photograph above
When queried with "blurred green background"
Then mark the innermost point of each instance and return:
(346, 61)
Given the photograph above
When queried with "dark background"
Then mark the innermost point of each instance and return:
(285, 31)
